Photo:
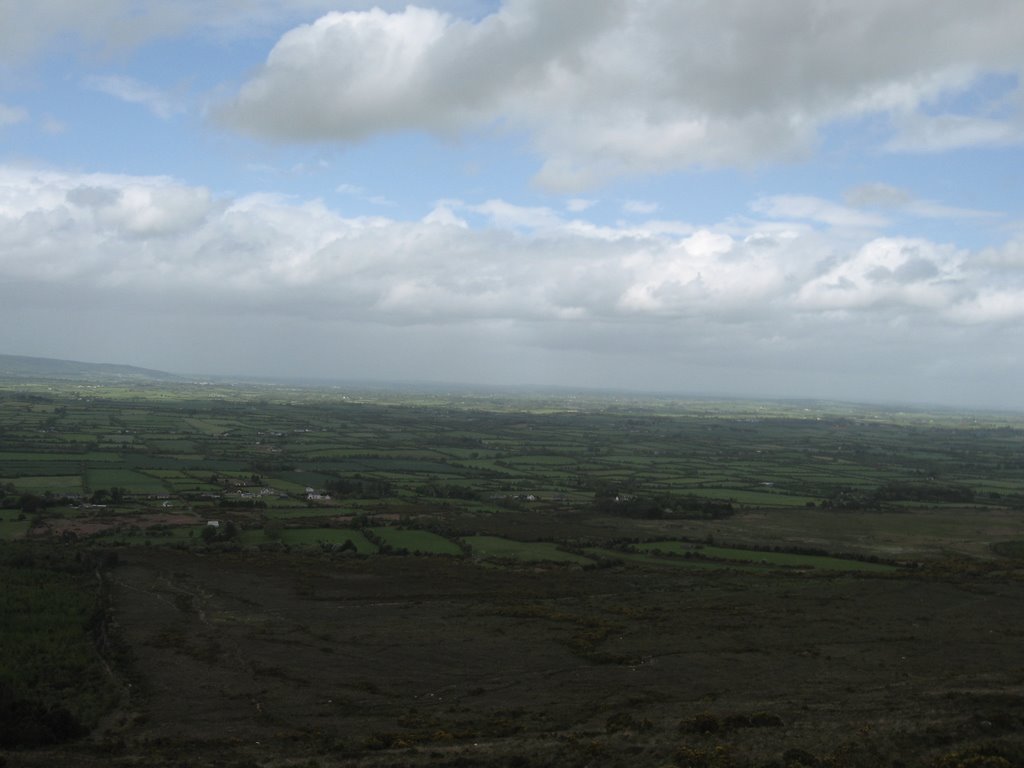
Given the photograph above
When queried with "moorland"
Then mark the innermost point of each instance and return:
(268, 575)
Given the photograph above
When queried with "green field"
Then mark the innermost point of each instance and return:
(782, 559)
(312, 537)
(56, 484)
(416, 541)
(505, 580)
(495, 547)
(899, 485)
(132, 481)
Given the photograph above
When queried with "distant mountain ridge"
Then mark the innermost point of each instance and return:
(19, 366)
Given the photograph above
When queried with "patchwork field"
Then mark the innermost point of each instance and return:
(277, 577)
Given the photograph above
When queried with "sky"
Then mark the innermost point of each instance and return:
(786, 199)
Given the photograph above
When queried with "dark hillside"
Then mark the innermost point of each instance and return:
(47, 368)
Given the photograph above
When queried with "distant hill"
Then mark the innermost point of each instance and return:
(16, 366)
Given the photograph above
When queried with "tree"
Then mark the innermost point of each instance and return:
(30, 503)
(225, 531)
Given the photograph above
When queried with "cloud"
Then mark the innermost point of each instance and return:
(156, 237)
(915, 275)
(608, 87)
(942, 133)
(579, 204)
(29, 29)
(878, 195)
(444, 215)
(509, 216)
(642, 207)
(12, 115)
(523, 288)
(895, 199)
(52, 126)
(350, 75)
(133, 91)
(992, 306)
(807, 208)
(354, 190)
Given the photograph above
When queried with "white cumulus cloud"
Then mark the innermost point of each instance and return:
(609, 87)
(159, 237)
(511, 282)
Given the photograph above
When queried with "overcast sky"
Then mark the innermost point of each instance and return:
(795, 198)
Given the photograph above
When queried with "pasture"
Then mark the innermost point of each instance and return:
(541, 551)
(489, 580)
(312, 537)
(781, 559)
(866, 481)
(413, 541)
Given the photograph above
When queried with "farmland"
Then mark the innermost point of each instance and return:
(349, 577)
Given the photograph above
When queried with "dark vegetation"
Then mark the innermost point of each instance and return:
(269, 576)
(53, 681)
